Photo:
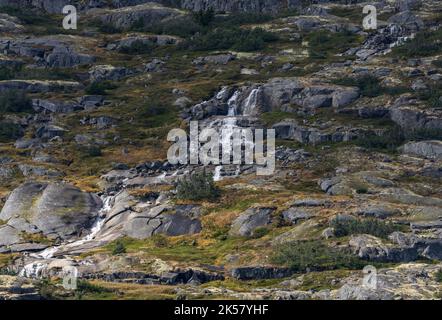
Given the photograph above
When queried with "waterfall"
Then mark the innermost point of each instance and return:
(36, 268)
(251, 102)
(233, 104)
(217, 173)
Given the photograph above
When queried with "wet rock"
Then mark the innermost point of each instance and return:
(252, 218)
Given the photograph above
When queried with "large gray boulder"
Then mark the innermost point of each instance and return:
(426, 149)
(407, 20)
(149, 13)
(108, 72)
(57, 210)
(164, 219)
(65, 57)
(250, 220)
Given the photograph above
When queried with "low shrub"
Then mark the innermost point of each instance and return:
(432, 96)
(437, 63)
(90, 151)
(119, 248)
(99, 88)
(10, 131)
(198, 186)
(388, 141)
(160, 240)
(233, 38)
(439, 275)
(313, 256)
(425, 43)
(375, 227)
(323, 44)
(204, 17)
(15, 101)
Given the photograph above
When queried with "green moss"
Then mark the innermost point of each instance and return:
(185, 250)
(36, 238)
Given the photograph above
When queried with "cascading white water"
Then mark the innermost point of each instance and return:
(251, 102)
(36, 268)
(217, 174)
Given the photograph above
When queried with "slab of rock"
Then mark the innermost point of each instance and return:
(378, 211)
(426, 149)
(294, 215)
(65, 57)
(55, 209)
(108, 72)
(260, 272)
(250, 220)
(39, 86)
(149, 13)
(163, 219)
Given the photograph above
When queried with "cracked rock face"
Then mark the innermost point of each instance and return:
(250, 220)
(55, 210)
(164, 219)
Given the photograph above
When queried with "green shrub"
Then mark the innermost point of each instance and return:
(439, 275)
(119, 248)
(361, 190)
(424, 134)
(425, 43)
(375, 227)
(387, 141)
(84, 287)
(28, 16)
(160, 240)
(204, 17)
(231, 38)
(198, 186)
(15, 101)
(432, 96)
(437, 63)
(108, 28)
(99, 88)
(10, 131)
(370, 86)
(323, 44)
(90, 151)
(260, 232)
(7, 73)
(313, 256)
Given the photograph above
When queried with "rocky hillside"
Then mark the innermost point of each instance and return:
(84, 176)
